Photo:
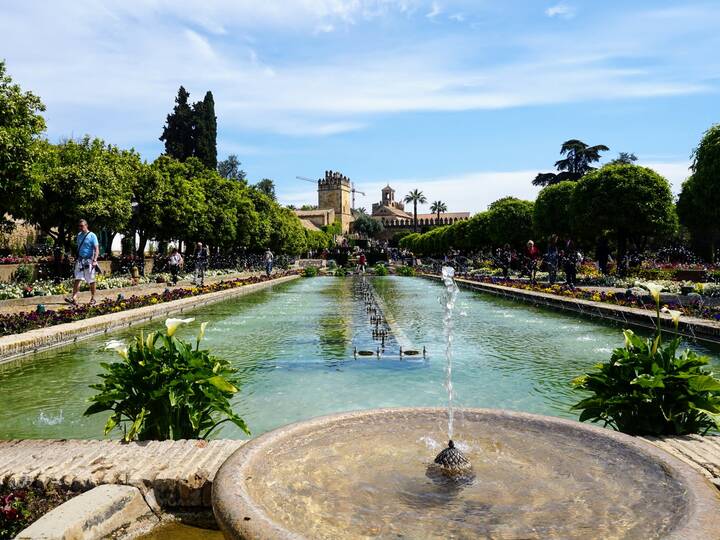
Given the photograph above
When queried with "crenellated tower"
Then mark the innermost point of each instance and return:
(334, 192)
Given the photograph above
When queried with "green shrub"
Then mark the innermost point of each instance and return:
(340, 272)
(647, 388)
(406, 271)
(381, 270)
(164, 388)
(24, 273)
(310, 271)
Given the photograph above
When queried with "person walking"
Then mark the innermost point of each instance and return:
(532, 254)
(602, 253)
(88, 252)
(570, 262)
(175, 263)
(362, 262)
(269, 260)
(201, 260)
(552, 258)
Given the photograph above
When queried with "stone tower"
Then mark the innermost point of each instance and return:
(334, 192)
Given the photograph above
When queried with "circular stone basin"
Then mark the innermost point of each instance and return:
(369, 474)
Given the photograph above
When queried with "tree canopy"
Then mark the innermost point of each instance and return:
(367, 226)
(230, 168)
(634, 203)
(191, 130)
(20, 127)
(552, 211)
(510, 221)
(83, 179)
(577, 161)
(699, 202)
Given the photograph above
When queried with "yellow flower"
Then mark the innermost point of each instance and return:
(173, 324)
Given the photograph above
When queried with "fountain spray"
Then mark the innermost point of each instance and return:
(451, 460)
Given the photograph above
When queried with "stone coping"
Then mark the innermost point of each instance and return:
(32, 341)
(693, 327)
(240, 516)
(171, 474)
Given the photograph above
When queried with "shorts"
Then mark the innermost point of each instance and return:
(85, 270)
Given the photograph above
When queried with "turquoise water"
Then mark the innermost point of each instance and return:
(293, 345)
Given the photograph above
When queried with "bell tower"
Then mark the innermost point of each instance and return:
(334, 192)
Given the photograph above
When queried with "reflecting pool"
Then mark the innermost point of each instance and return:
(293, 344)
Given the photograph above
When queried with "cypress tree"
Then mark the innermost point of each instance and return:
(206, 131)
(178, 130)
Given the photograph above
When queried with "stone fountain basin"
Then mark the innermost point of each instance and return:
(366, 474)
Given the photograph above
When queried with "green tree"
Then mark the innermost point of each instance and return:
(577, 161)
(551, 214)
(205, 131)
(267, 187)
(366, 225)
(633, 202)
(20, 126)
(178, 131)
(182, 214)
(150, 197)
(415, 196)
(230, 168)
(437, 208)
(624, 158)
(83, 179)
(509, 220)
(699, 202)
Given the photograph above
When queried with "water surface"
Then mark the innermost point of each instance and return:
(293, 345)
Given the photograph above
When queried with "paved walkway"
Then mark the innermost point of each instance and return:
(57, 301)
(180, 473)
(700, 452)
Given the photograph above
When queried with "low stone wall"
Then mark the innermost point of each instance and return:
(33, 341)
(318, 263)
(692, 327)
(176, 474)
(7, 270)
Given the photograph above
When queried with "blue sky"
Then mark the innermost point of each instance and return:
(465, 99)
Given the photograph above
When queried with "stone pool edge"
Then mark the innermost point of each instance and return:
(41, 339)
(688, 326)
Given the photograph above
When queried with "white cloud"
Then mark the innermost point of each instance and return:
(124, 61)
(561, 10)
(435, 10)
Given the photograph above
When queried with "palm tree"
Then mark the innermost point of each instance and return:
(415, 196)
(575, 164)
(438, 207)
(361, 210)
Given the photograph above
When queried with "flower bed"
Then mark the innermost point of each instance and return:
(12, 291)
(620, 299)
(16, 323)
(21, 507)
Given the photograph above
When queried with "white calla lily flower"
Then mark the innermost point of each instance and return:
(674, 313)
(173, 324)
(201, 334)
(117, 346)
(654, 288)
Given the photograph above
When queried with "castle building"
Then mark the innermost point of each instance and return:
(334, 203)
(395, 218)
